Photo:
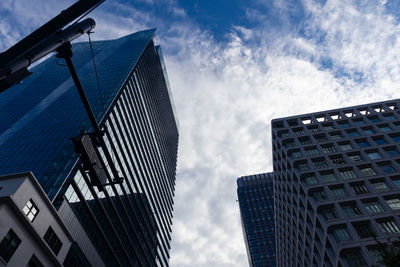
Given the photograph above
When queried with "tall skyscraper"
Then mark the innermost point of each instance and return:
(256, 202)
(337, 185)
(115, 223)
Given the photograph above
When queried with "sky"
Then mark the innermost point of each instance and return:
(233, 66)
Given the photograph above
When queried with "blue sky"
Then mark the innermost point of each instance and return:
(233, 66)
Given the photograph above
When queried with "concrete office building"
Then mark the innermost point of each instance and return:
(337, 185)
(112, 222)
(256, 202)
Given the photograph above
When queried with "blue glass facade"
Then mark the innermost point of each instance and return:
(129, 224)
(256, 201)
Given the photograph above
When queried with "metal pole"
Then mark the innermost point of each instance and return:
(55, 24)
(65, 52)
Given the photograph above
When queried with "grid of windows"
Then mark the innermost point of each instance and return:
(360, 147)
(255, 194)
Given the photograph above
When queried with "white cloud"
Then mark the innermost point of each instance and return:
(226, 95)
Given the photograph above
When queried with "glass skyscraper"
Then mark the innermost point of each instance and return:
(256, 202)
(337, 185)
(126, 224)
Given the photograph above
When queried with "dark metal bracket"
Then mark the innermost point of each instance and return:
(86, 143)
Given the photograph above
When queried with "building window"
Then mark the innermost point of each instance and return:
(295, 154)
(302, 166)
(385, 129)
(309, 180)
(380, 140)
(313, 129)
(34, 262)
(396, 137)
(374, 120)
(376, 255)
(327, 127)
(318, 195)
(392, 152)
(338, 192)
(30, 210)
(347, 174)
(283, 134)
(9, 245)
(352, 133)
(387, 168)
(350, 209)
(389, 227)
(328, 177)
(328, 213)
(363, 143)
(359, 122)
(396, 125)
(380, 186)
(367, 171)
(397, 183)
(337, 160)
(354, 157)
(336, 136)
(289, 143)
(368, 131)
(364, 230)
(320, 138)
(328, 149)
(374, 155)
(341, 235)
(354, 258)
(389, 117)
(298, 131)
(345, 146)
(311, 151)
(393, 203)
(320, 163)
(52, 240)
(359, 189)
(343, 124)
(373, 207)
(305, 141)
